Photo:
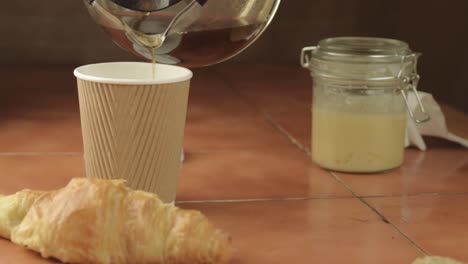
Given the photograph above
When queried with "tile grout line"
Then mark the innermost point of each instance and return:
(264, 200)
(285, 133)
(45, 115)
(384, 219)
(415, 194)
(232, 88)
(41, 153)
(265, 115)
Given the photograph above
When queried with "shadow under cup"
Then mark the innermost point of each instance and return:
(133, 125)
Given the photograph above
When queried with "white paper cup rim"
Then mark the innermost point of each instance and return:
(136, 73)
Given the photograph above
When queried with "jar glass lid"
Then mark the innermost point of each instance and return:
(362, 49)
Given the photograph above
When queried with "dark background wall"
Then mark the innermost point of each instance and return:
(61, 32)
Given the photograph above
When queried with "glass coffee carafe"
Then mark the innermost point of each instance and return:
(191, 33)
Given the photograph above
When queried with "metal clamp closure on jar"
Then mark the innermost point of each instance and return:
(357, 59)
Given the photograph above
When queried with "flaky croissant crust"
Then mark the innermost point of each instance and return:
(103, 221)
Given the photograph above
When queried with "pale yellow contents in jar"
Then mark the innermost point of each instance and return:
(357, 142)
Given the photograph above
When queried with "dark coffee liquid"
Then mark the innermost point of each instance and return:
(206, 47)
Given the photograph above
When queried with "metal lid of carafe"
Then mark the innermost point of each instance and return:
(146, 5)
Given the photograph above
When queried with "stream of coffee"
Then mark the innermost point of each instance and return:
(153, 62)
(150, 42)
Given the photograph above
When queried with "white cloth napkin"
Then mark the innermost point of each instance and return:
(435, 127)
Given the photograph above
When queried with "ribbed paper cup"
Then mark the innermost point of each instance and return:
(132, 124)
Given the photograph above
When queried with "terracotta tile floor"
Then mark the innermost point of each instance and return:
(247, 168)
(436, 222)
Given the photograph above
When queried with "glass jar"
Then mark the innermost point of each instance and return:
(359, 102)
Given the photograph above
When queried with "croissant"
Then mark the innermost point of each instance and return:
(103, 221)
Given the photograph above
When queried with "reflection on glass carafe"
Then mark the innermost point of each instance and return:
(191, 33)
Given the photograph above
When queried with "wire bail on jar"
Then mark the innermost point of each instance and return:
(409, 82)
(306, 54)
